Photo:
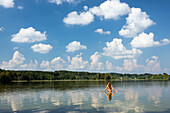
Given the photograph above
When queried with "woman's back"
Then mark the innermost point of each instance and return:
(109, 86)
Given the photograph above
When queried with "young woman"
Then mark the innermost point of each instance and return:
(110, 87)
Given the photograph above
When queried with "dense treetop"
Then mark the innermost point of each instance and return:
(8, 75)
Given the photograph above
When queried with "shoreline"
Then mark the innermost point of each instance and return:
(82, 80)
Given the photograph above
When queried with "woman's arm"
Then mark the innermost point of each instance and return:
(114, 89)
(105, 88)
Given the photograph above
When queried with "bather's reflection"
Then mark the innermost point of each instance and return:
(109, 95)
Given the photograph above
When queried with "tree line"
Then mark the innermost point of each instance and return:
(9, 75)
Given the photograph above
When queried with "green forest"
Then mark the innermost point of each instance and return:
(9, 75)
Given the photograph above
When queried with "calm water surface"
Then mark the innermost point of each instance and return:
(83, 96)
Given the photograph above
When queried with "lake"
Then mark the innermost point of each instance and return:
(85, 96)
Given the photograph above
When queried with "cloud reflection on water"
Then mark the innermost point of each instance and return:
(128, 99)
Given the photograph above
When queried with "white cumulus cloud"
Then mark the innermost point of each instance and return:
(31, 66)
(131, 65)
(147, 40)
(111, 9)
(165, 41)
(1, 28)
(74, 46)
(28, 35)
(152, 65)
(17, 62)
(58, 2)
(20, 7)
(95, 62)
(111, 67)
(84, 18)
(85, 8)
(136, 22)
(7, 3)
(15, 48)
(77, 62)
(45, 64)
(100, 31)
(41, 48)
(56, 63)
(166, 70)
(116, 50)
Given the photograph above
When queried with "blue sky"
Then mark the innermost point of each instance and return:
(127, 36)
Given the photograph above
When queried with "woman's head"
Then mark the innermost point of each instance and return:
(109, 84)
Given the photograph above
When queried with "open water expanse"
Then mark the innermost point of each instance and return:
(85, 97)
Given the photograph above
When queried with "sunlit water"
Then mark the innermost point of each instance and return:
(81, 96)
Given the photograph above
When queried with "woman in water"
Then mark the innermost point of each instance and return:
(110, 87)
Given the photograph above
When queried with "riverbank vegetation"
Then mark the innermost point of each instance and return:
(9, 75)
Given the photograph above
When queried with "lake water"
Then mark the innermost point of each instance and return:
(85, 97)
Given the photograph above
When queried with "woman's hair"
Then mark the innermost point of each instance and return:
(109, 85)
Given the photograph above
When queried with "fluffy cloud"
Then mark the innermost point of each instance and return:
(165, 41)
(85, 8)
(116, 50)
(1, 28)
(77, 62)
(74, 46)
(136, 22)
(100, 31)
(152, 65)
(28, 35)
(58, 2)
(15, 48)
(95, 62)
(45, 64)
(31, 66)
(153, 57)
(56, 63)
(111, 67)
(145, 40)
(131, 65)
(84, 18)
(166, 69)
(111, 9)
(41, 48)
(17, 62)
(7, 3)
(20, 7)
